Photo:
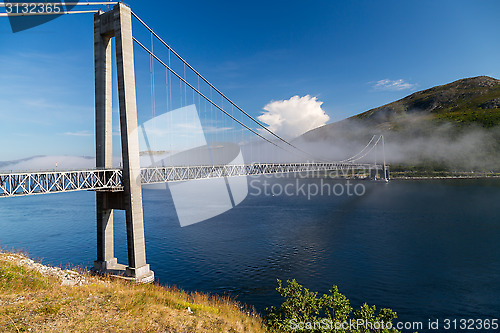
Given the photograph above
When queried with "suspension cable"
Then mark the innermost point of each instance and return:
(182, 80)
(354, 160)
(213, 87)
(201, 94)
(361, 152)
(349, 160)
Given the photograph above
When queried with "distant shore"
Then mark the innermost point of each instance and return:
(442, 175)
(414, 175)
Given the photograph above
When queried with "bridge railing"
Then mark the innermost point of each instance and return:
(182, 173)
(29, 183)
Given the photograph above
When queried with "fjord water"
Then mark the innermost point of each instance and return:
(427, 249)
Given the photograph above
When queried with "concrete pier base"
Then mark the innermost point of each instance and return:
(104, 265)
(142, 275)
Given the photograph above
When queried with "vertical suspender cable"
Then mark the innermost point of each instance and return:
(152, 77)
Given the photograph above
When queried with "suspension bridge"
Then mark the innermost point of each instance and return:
(120, 188)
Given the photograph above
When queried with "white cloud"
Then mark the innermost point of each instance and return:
(79, 133)
(387, 84)
(292, 117)
(213, 129)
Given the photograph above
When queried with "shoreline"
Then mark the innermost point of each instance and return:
(443, 177)
(398, 177)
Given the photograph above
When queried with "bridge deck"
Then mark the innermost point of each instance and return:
(29, 183)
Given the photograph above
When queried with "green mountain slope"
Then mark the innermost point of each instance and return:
(471, 100)
(455, 126)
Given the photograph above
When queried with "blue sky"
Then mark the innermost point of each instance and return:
(350, 55)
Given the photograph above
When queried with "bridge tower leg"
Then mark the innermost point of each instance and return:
(104, 144)
(117, 23)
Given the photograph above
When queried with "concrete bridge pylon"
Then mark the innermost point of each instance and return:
(117, 24)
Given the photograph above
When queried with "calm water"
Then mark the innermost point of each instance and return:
(427, 249)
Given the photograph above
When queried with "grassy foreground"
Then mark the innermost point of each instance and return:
(35, 302)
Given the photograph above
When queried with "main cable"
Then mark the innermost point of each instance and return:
(202, 95)
(374, 145)
(217, 90)
(359, 153)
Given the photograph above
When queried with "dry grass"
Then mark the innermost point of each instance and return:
(32, 302)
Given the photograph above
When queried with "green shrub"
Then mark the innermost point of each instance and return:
(304, 311)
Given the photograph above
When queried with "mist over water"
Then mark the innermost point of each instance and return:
(413, 139)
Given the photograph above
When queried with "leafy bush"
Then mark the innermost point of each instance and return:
(304, 311)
